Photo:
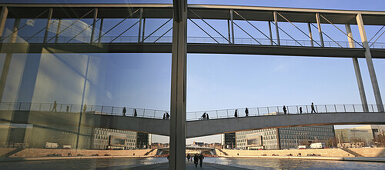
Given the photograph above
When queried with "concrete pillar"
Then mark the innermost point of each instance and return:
(357, 71)
(310, 35)
(50, 11)
(271, 34)
(369, 61)
(178, 87)
(3, 18)
(276, 27)
(319, 29)
(94, 25)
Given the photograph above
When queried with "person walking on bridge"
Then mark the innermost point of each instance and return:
(54, 107)
(312, 108)
(196, 160)
(300, 110)
(236, 113)
(247, 112)
(201, 157)
(135, 113)
(124, 111)
(188, 157)
(284, 109)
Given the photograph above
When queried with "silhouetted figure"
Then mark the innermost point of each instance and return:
(84, 108)
(236, 113)
(247, 112)
(135, 113)
(204, 116)
(312, 108)
(300, 110)
(68, 108)
(164, 115)
(284, 109)
(124, 111)
(196, 160)
(188, 157)
(207, 116)
(167, 115)
(201, 157)
(54, 107)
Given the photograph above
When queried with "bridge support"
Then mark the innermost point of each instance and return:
(357, 71)
(178, 87)
(276, 27)
(310, 34)
(369, 62)
(321, 38)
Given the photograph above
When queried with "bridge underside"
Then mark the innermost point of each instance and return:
(218, 126)
(191, 48)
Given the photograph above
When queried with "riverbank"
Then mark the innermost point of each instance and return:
(360, 159)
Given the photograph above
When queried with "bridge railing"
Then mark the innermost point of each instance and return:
(278, 110)
(192, 39)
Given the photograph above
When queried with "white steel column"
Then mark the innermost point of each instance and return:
(48, 25)
(140, 24)
(100, 30)
(57, 31)
(276, 27)
(271, 34)
(232, 25)
(321, 38)
(94, 25)
(3, 18)
(177, 160)
(357, 71)
(369, 62)
(144, 28)
(310, 34)
(228, 30)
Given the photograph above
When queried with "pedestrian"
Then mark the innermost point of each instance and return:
(68, 108)
(84, 108)
(124, 111)
(135, 113)
(236, 113)
(207, 116)
(167, 115)
(164, 115)
(196, 160)
(204, 116)
(300, 110)
(284, 109)
(188, 157)
(312, 108)
(201, 157)
(54, 107)
(247, 112)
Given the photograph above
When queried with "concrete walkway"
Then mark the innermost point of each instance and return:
(189, 166)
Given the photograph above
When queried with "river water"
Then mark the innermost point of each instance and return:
(127, 163)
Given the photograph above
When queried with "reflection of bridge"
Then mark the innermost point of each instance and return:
(220, 121)
(191, 150)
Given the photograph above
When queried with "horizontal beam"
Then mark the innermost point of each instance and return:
(191, 48)
(251, 13)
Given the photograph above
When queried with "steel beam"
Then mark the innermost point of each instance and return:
(3, 18)
(177, 159)
(140, 23)
(369, 61)
(57, 31)
(319, 29)
(232, 25)
(357, 70)
(310, 34)
(144, 28)
(276, 27)
(50, 11)
(228, 30)
(100, 31)
(94, 25)
(271, 33)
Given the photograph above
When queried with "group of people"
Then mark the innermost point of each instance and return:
(166, 115)
(205, 116)
(196, 158)
(246, 112)
(125, 111)
(300, 109)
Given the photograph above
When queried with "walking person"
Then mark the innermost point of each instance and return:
(207, 116)
(135, 113)
(236, 113)
(247, 112)
(164, 115)
(201, 157)
(284, 109)
(167, 115)
(188, 157)
(124, 111)
(204, 116)
(196, 160)
(312, 108)
(54, 107)
(68, 108)
(300, 110)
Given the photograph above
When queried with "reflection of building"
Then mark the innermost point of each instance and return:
(283, 138)
(119, 139)
(360, 134)
(228, 140)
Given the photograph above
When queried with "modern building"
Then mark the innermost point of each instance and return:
(283, 138)
(228, 140)
(359, 134)
(119, 139)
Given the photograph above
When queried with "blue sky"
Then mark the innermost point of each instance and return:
(218, 81)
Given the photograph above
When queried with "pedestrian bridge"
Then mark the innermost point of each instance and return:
(63, 118)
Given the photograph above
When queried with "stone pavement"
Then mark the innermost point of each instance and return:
(189, 166)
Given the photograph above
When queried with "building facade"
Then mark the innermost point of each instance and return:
(283, 138)
(350, 137)
(228, 140)
(119, 139)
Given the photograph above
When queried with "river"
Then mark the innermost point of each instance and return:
(127, 163)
